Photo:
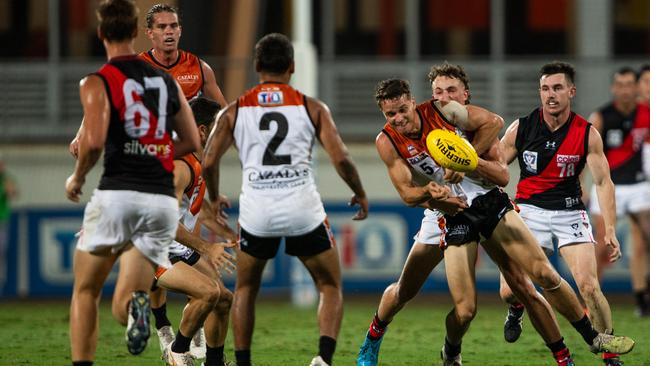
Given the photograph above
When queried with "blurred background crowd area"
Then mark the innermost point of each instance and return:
(48, 45)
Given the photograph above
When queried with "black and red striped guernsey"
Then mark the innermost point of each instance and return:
(139, 153)
(551, 162)
(623, 138)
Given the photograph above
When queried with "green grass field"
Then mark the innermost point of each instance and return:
(36, 333)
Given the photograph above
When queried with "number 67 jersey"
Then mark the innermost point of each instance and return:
(275, 135)
(551, 162)
(139, 153)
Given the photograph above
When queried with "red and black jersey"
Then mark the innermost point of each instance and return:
(623, 137)
(139, 153)
(551, 161)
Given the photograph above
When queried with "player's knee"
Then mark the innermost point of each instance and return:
(545, 276)
(402, 293)
(465, 313)
(225, 301)
(588, 289)
(211, 295)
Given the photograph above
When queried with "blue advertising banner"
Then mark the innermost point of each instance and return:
(372, 252)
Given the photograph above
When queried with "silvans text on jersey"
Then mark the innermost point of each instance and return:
(135, 147)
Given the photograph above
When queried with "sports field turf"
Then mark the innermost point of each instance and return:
(36, 333)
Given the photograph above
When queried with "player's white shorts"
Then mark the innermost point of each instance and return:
(112, 218)
(432, 230)
(563, 226)
(630, 198)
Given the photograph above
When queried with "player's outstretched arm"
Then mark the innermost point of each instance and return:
(218, 143)
(185, 127)
(214, 252)
(91, 143)
(210, 87)
(599, 168)
(338, 153)
(492, 166)
(402, 178)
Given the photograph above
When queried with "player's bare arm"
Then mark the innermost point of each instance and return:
(185, 127)
(402, 178)
(492, 166)
(97, 116)
(210, 88)
(485, 124)
(218, 143)
(73, 148)
(508, 142)
(214, 252)
(599, 169)
(596, 120)
(208, 219)
(338, 153)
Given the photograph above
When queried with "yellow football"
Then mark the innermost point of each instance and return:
(451, 151)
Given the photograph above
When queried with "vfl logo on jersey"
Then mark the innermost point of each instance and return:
(411, 149)
(614, 138)
(530, 160)
(270, 98)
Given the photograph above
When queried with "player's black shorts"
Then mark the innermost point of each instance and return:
(480, 219)
(306, 245)
(190, 258)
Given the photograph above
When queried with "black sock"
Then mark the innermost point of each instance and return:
(586, 330)
(82, 363)
(326, 347)
(213, 356)
(160, 314)
(556, 347)
(243, 357)
(450, 349)
(640, 297)
(182, 343)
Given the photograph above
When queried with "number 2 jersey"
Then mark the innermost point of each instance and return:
(139, 153)
(551, 161)
(275, 135)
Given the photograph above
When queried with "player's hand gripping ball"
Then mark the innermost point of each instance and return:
(451, 151)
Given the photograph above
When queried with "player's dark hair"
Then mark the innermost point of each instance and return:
(391, 89)
(559, 67)
(624, 70)
(118, 20)
(273, 53)
(160, 8)
(452, 72)
(644, 68)
(205, 110)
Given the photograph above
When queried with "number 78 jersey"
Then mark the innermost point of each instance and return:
(551, 161)
(275, 135)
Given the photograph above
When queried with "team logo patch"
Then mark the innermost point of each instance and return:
(411, 149)
(530, 160)
(270, 98)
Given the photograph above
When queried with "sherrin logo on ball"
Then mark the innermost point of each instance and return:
(451, 151)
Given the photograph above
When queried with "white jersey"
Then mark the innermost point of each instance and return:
(275, 137)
